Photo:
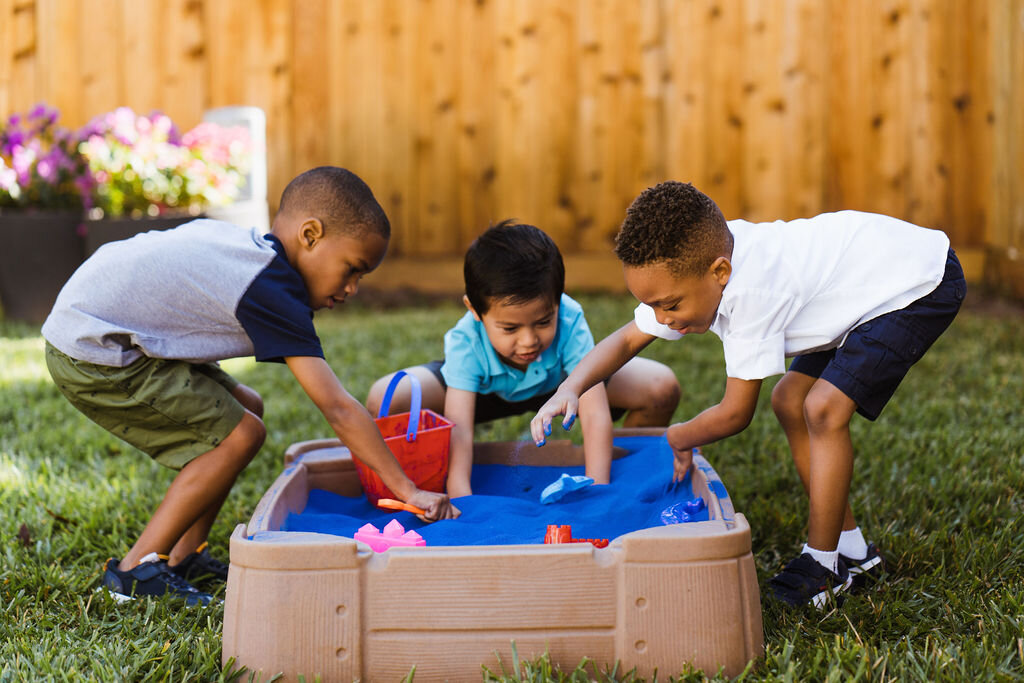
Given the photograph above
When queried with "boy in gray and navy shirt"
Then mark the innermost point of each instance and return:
(135, 334)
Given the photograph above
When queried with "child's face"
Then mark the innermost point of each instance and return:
(687, 304)
(332, 264)
(519, 332)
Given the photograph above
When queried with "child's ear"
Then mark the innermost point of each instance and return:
(311, 231)
(721, 270)
(469, 307)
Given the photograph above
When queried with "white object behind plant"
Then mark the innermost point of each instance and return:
(250, 210)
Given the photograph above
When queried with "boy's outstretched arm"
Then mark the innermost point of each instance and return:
(357, 430)
(603, 360)
(730, 416)
(460, 410)
(596, 422)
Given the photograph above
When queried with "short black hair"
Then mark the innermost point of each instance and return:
(339, 198)
(512, 262)
(676, 224)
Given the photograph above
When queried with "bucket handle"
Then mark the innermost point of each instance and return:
(415, 402)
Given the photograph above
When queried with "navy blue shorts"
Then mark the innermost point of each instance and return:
(877, 354)
(492, 407)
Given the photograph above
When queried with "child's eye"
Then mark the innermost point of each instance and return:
(544, 323)
(670, 308)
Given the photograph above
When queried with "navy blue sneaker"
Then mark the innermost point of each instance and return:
(804, 581)
(867, 570)
(201, 567)
(151, 576)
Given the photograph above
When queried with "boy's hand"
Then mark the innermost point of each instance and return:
(683, 453)
(435, 506)
(564, 402)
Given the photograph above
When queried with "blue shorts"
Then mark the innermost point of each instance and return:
(877, 354)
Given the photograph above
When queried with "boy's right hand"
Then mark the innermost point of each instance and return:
(435, 506)
(563, 402)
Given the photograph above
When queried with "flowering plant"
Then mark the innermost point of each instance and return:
(120, 164)
(140, 165)
(39, 163)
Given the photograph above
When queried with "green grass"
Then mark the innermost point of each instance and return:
(938, 485)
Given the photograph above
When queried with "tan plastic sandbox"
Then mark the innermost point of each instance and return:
(310, 604)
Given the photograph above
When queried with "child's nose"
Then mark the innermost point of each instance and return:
(529, 339)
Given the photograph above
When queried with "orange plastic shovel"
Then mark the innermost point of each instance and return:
(392, 504)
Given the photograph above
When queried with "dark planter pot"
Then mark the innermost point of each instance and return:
(40, 250)
(98, 233)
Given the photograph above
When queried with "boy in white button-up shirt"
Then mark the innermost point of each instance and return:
(857, 298)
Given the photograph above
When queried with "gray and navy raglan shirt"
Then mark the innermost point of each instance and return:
(204, 291)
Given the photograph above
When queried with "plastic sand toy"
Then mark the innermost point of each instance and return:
(394, 535)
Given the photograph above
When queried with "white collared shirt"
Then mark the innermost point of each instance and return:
(801, 286)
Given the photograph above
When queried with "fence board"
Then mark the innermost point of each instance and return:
(558, 112)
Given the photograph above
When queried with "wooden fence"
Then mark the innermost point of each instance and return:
(558, 112)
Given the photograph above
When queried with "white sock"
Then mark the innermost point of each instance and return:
(829, 559)
(852, 544)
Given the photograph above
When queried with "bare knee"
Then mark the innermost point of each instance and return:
(664, 393)
(249, 399)
(246, 439)
(824, 414)
(376, 395)
(432, 392)
(788, 402)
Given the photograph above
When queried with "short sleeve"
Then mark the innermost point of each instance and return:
(578, 339)
(276, 315)
(643, 316)
(462, 368)
(754, 333)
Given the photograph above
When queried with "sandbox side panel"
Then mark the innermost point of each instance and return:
(702, 610)
(458, 656)
(495, 588)
(290, 622)
(689, 612)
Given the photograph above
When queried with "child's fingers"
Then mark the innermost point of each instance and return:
(539, 427)
(568, 421)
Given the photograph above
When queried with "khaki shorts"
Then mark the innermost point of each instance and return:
(170, 409)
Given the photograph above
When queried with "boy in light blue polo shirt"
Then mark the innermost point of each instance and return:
(521, 337)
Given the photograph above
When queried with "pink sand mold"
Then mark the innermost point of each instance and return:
(394, 534)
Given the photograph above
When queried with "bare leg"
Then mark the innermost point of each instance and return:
(828, 412)
(197, 493)
(647, 389)
(200, 531)
(788, 403)
(433, 392)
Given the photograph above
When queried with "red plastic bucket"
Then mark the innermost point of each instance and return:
(421, 447)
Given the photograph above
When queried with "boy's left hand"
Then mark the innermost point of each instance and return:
(683, 453)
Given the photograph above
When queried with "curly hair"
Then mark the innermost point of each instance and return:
(676, 224)
(339, 198)
(512, 262)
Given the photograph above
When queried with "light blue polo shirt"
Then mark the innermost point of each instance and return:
(471, 363)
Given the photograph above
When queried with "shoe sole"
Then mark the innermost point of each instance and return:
(821, 599)
(865, 572)
(118, 597)
(121, 598)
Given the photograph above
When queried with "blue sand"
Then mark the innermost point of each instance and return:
(505, 508)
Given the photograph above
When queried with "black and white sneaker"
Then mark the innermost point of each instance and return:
(804, 581)
(867, 570)
(200, 567)
(151, 576)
